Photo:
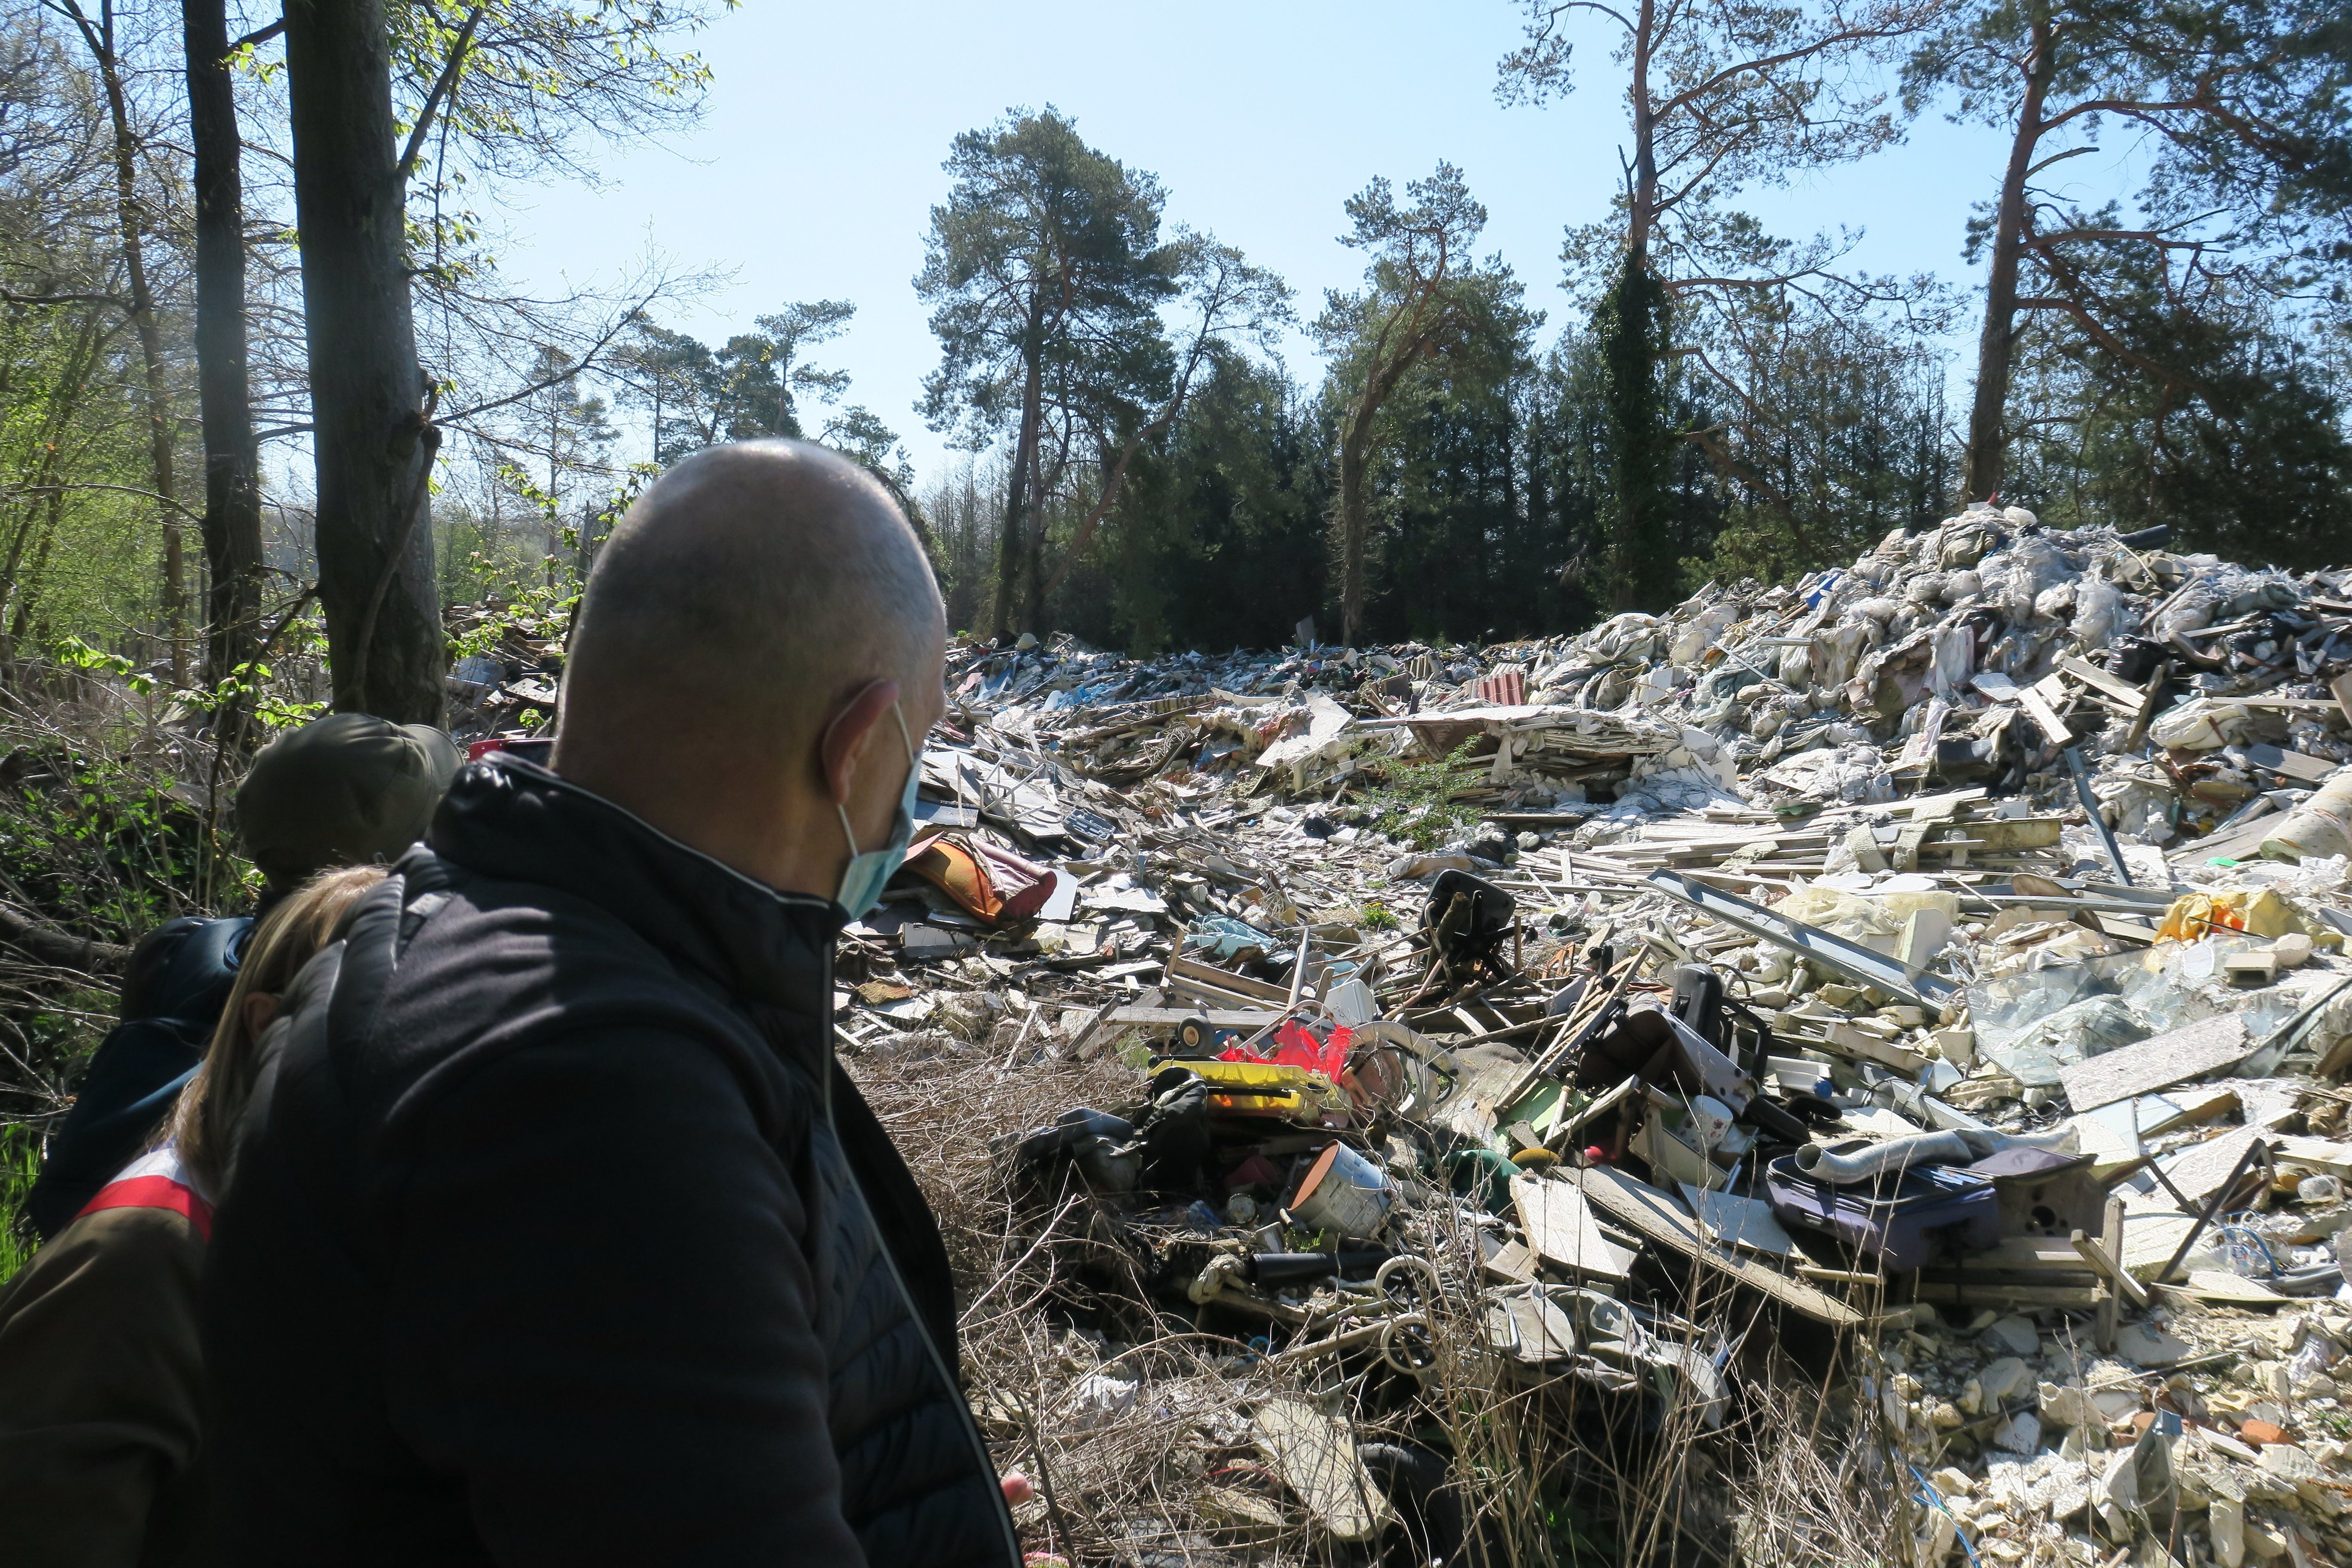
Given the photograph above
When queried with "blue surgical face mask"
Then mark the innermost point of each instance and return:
(863, 879)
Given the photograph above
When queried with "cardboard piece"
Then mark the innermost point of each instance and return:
(1316, 1457)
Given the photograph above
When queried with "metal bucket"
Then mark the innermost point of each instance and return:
(1342, 1192)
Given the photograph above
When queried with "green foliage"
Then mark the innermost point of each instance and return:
(103, 842)
(20, 1162)
(2238, 439)
(1413, 802)
(1045, 271)
(1631, 327)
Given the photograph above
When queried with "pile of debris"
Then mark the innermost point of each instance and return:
(1896, 1016)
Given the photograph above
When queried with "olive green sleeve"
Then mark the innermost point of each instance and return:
(101, 1389)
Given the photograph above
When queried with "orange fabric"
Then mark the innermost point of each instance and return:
(987, 883)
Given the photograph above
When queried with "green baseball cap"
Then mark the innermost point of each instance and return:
(350, 789)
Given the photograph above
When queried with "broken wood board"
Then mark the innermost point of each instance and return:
(1970, 1293)
(2028, 1255)
(1510, 1261)
(2001, 689)
(2200, 1170)
(1225, 980)
(1650, 1214)
(1316, 1457)
(1561, 1229)
(2293, 764)
(2150, 1238)
(2322, 1155)
(2157, 1062)
(2222, 1288)
(1490, 1076)
(2091, 675)
(1743, 1222)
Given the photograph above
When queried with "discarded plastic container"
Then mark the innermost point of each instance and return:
(1930, 1211)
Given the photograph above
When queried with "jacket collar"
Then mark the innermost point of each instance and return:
(510, 819)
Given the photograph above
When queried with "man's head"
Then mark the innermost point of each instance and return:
(747, 634)
(350, 789)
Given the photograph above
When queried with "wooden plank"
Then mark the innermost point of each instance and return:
(2200, 1170)
(1511, 1262)
(2028, 1255)
(2125, 929)
(1743, 1222)
(2322, 1155)
(2106, 1255)
(1316, 1457)
(1225, 979)
(2150, 1240)
(2047, 721)
(1973, 1294)
(2157, 1062)
(2227, 1289)
(2293, 764)
(1650, 1214)
(2001, 689)
(2110, 1254)
(2091, 675)
(1562, 1232)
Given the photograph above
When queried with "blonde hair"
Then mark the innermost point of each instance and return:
(204, 1124)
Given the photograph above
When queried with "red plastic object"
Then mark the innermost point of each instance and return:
(1295, 1047)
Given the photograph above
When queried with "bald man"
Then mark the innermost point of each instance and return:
(557, 1237)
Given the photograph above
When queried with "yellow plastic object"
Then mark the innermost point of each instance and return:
(2257, 913)
(1265, 1088)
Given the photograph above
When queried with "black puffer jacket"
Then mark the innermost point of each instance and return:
(552, 1237)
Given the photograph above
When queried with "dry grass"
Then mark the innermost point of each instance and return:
(1544, 1470)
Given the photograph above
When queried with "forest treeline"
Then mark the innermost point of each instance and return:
(266, 393)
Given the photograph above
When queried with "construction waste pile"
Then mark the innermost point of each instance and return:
(1845, 1071)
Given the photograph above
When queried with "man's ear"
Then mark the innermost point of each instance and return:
(844, 741)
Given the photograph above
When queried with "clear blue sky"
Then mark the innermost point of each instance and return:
(814, 172)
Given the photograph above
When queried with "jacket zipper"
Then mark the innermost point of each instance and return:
(906, 1300)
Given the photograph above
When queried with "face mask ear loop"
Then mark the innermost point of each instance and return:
(843, 812)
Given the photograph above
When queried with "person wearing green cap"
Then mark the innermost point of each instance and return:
(349, 789)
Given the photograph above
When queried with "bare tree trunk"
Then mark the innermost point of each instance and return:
(1642, 209)
(1353, 447)
(1997, 342)
(25, 621)
(232, 455)
(1032, 546)
(100, 37)
(1004, 614)
(374, 437)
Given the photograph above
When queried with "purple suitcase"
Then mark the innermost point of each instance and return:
(1930, 1212)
